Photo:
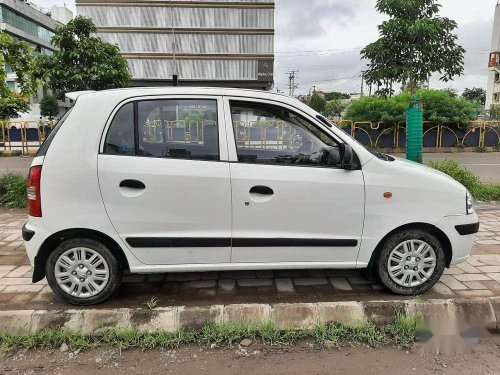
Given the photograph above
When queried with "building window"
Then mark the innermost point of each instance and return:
(497, 77)
(495, 97)
(11, 85)
(18, 21)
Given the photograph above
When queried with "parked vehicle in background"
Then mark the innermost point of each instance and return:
(204, 179)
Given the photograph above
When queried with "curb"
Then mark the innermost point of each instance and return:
(476, 312)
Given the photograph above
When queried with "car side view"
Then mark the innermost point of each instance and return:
(157, 180)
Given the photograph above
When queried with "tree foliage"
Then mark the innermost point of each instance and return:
(318, 103)
(334, 108)
(440, 107)
(83, 61)
(475, 94)
(19, 56)
(49, 106)
(414, 43)
(335, 95)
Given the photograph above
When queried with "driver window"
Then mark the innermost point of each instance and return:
(266, 134)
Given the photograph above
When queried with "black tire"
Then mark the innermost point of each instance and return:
(381, 263)
(114, 279)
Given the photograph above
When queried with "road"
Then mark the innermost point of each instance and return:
(484, 358)
(486, 165)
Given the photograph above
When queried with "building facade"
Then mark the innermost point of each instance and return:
(26, 21)
(204, 42)
(493, 89)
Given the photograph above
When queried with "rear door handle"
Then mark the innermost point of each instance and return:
(263, 190)
(132, 184)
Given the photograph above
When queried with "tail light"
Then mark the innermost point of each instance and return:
(33, 190)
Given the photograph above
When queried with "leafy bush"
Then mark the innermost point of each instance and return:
(439, 107)
(13, 190)
(484, 192)
(49, 106)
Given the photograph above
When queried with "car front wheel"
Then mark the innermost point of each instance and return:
(83, 272)
(411, 262)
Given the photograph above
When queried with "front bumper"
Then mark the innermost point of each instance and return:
(461, 230)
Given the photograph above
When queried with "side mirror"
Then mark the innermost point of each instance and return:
(347, 156)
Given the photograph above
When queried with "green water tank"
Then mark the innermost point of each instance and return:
(414, 132)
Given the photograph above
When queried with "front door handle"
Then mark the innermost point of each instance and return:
(262, 190)
(133, 184)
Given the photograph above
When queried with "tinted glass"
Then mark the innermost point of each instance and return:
(186, 129)
(120, 138)
(272, 135)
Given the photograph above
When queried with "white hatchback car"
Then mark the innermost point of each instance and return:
(154, 180)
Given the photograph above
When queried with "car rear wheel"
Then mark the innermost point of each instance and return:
(411, 262)
(83, 272)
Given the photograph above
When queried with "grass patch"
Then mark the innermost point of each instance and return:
(480, 191)
(402, 332)
(13, 190)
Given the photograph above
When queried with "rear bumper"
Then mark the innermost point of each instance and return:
(461, 230)
(27, 233)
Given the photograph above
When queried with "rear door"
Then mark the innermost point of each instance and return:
(164, 179)
(292, 200)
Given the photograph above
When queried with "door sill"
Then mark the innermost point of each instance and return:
(244, 266)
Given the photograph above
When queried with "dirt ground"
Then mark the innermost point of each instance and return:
(302, 359)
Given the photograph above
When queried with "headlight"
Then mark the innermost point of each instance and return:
(469, 204)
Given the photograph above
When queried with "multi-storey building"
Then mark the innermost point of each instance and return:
(493, 89)
(203, 42)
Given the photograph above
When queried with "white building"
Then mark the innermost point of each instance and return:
(493, 89)
(203, 42)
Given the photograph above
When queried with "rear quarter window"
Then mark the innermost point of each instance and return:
(42, 151)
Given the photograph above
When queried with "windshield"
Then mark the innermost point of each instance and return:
(371, 150)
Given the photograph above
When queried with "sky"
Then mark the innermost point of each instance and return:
(322, 39)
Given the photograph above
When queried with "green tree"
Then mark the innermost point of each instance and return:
(317, 102)
(439, 107)
(414, 43)
(334, 108)
(83, 61)
(335, 95)
(19, 56)
(49, 106)
(475, 94)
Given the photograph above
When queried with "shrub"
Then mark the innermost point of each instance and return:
(439, 107)
(484, 192)
(13, 190)
(49, 106)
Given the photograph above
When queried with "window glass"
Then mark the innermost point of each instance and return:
(186, 129)
(267, 134)
(120, 138)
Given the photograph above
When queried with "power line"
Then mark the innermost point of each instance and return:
(292, 86)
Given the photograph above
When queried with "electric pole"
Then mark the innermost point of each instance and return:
(292, 86)
(362, 83)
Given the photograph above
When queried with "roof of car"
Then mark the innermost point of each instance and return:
(181, 90)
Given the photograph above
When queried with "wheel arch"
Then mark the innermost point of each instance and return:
(50, 244)
(442, 237)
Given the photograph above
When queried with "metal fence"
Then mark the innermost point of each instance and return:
(24, 136)
(28, 136)
(476, 134)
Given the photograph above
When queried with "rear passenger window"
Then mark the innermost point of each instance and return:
(185, 129)
(120, 138)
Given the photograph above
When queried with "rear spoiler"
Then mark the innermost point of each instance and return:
(75, 94)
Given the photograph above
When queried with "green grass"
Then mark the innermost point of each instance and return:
(13, 190)
(151, 304)
(480, 191)
(402, 332)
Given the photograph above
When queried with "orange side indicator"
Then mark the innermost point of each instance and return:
(388, 195)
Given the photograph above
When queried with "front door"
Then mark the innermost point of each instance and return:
(292, 200)
(164, 179)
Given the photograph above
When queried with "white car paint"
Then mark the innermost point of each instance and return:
(79, 189)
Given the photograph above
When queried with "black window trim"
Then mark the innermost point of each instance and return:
(135, 100)
(296, 112)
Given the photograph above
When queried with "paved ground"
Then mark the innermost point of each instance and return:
(485, 165)
(304, 358)
(480, 276)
